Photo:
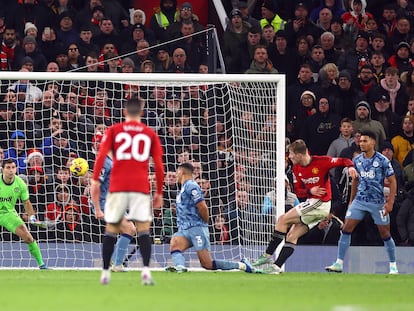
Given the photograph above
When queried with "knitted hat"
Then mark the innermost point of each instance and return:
(301, 5)
(345, 74)
(26, 60)
(310, 93)
(33, 153)
(235, 12)
(268, 4)
(402, 44)
(29, 39)
(128, 62)
(186, 5)
(384, 96)
(362, 35)
(139, 26)
(29, 25)
(364, 104)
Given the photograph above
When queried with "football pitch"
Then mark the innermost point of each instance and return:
(80, 290)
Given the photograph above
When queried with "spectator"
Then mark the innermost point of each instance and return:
(66, 32)
(378, 66)
(244, 9)
(193, 45)
(186, 15)
(398, 98)
(56, 148)
(402, 32)
(328, 45)
(355, 19)
(26, 91)
(37, 190)
(98, 13)
(317, 60)
(343, 41)
(75, 59)
(57, 205)
(344, 140)
(10, 50)
(325, 19)
(107, 34)
(327, 79)
(347, 96)
(304, 82)
(261, 62)
(17, 150)
(381, 112)
(387, 149)
(85, 43)
(7, 110)
(404, 142)
(142, 53)
(378, 44)
(363, 121)
(303, 111)
(31, 50)
(163, 17)
(163, 60)
(268, 34)
(321, 129)
(269, 16)
(366, 83)
(234, 36)
(26, 123)
(401, 58)
(179, 64)
(353, 59)
(282, 57)
(62, 59)
(333, 5)
(301, 25)
(30, 29)
(388, 20)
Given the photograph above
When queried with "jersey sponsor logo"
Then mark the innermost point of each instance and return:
(315, 170)
(8, 199)
(312, 180)
(369, 174)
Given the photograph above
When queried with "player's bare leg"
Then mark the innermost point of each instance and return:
(389, 244)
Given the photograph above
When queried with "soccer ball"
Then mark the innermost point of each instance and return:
(79, 167)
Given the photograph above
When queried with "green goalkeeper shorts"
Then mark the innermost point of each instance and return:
(11, 221)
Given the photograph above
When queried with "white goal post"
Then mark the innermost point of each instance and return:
(232, 127)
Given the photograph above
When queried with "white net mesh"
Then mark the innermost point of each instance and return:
(230, 127)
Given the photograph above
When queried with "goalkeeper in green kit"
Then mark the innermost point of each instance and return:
(12, 187)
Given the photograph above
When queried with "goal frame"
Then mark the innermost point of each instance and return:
(183, 79)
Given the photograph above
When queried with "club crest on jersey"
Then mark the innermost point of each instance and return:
(375, 164)
(195, 194)
(315, 170)
(17, 189)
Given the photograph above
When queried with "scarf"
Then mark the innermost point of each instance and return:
(393, 93)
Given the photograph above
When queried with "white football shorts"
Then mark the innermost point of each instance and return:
(136, 206)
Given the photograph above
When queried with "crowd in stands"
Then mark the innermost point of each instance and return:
(349, 67)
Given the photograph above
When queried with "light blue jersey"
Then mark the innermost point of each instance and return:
(187, 199)
(104, 180)
(372, 172)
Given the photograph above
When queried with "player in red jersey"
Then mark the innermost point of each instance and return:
(311, 181)
(132, 144)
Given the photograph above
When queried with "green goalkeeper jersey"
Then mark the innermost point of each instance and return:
(10, 193)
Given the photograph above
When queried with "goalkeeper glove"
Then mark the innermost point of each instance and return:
(32, 219)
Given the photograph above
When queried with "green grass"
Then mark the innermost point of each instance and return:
(213, 291)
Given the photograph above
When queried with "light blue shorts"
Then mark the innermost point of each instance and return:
(358, 210)
(199, 237)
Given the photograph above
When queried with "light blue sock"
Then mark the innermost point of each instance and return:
(121, 249)
(390, 248)
(178, 258)
(343, 244)
(225, 265)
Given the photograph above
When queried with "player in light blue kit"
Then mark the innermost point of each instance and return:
(367, 196)
(192, 221)
(127, 227)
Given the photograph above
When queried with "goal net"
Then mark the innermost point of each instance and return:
(231, 127)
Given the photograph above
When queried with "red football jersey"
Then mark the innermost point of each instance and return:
(132, 144)
(316, 174)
